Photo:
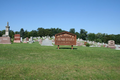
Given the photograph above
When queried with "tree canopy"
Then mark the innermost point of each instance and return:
(99, 37)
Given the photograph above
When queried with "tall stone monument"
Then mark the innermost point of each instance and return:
(5, 39)
(7, 30)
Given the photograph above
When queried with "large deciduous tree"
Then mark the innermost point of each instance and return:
(0, 33)
(34, 33)
(26, 34)
(91, 36)
(72, 30)
(22, 33)
(77, 35)
(83, 34)
(40, 32)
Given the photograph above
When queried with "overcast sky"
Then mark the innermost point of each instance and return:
(92, 15)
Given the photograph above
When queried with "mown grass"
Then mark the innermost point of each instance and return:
(20, 61)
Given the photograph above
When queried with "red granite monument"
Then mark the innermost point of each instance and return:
(65, 38)
(17, 38)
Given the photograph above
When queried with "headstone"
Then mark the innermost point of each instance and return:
(111, 44)
(53, 41)
(43, 37)
(46, 42)
(5, 39)
(21, 39)
(25, 41)
(31, 40)
(117, 47)
(17, 38)
(53, 37)
(40, 41)
(78, 44)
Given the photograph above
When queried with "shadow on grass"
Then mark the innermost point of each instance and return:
(65, 48)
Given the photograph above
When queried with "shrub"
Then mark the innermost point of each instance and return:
(11, 40)
(87, 44)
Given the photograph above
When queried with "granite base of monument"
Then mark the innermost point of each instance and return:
(112, 47)
(5, 40)
(17, 41)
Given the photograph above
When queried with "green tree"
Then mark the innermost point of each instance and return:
(83, 34)
(117, 39)
(11, 34)
(22, 33)
(26, 34)
(16, 32)
(77, 34)
(72, 30)
(40, 32)
(34, 33)
(59, 30)
(3, 32)
(0, 33)
(47, 32)
(91, 36)
(106, 38)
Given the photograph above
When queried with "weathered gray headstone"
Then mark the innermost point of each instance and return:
(46, 42)
(25, 41)
(31, 40)
(117, 47)
(21, 39)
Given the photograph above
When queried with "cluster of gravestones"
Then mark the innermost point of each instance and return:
(18, 39)
(42, 40)
(81, 42)
(111, 44)
(49, 41)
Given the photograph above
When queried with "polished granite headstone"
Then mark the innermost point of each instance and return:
(17, 38)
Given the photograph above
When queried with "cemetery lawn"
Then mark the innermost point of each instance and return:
(20, 61)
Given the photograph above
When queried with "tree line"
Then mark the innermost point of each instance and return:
(83, 34)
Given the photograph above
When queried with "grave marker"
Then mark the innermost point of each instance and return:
(111, 44)
(46, 42)
(5, 39)
(17, 38)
